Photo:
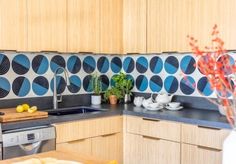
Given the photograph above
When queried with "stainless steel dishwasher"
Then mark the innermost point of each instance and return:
(28, 141)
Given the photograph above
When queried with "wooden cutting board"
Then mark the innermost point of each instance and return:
(11, 115)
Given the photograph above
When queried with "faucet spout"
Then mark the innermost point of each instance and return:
(55, 95)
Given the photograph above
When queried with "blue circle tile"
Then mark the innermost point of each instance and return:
(40, 85)
(156, 83)
(156, 64)
(5, 87)
(171, 65)
(128, 65)
(188, 64)
(21, 86)
(87, 83)
(20, 64)
(187, 85)
(60, 84)
(204, 87)
(4, 64)
(75, 84)
(40, 64)
(105, 82)
(56, 62)
(171, 84)
(228, 62)
(141, 83)
(142, 64)
(103, 64)
(116, 64)
(89, 64)
(74, 64)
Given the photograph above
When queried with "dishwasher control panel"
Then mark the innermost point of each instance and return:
(25, 136)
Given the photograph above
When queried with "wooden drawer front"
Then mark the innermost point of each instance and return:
(77, 130)
(83, 146)
(158, 151)
(200, 155)
(133, 124)
(160, 129)
(204, 136)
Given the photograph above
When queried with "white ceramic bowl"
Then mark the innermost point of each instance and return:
(174, 104)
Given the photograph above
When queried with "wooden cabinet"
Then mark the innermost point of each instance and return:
(203, 136)
(200, 155)
(111, 26)
(161, 23)
(151, 141)
(108, 147)
(47, 25)
(101, 137)
(83, 146)
(13, 25)
(160, 151)
(83, 25)
(134, 26)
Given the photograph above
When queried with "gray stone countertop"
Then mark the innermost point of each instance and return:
(199, 117)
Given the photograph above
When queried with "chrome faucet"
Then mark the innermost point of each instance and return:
(55, 95)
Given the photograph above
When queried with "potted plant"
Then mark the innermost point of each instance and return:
(113, 95)
(97, 88)
(124, 84)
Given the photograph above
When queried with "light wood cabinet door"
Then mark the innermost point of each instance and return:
(111, 26)
(134, 26)
(133, 149)
(200, 155)
(47, 25)
(161, 23)
(83, 146)
(108, 147)
(83, 26)
(13, 25)
(160, 151)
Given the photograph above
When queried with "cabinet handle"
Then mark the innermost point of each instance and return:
(205, 127)
(49, 51)
(84, 52)
(106, 135)
(209, 148)
(169, 52)
(71, 142)
(133, 53)
(149, 119)
(152, 138)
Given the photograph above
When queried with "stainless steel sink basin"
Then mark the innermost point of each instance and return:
(73, 110)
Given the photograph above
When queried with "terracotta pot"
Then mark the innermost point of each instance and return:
(113, 99)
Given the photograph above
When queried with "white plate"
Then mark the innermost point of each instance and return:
(154, 109)
(178, 108)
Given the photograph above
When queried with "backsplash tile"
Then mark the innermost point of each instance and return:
(24, 75)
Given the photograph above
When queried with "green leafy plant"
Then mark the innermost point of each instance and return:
(113, 91)
(96, 84)
(123, 83)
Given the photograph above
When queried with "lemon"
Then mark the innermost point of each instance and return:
(112, 162)
(25, 107)
(19, 109)
(32, 109)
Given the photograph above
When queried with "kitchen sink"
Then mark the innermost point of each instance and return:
(73, 110)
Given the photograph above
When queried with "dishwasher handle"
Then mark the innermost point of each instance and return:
(31, 148)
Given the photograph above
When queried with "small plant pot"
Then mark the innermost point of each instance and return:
(113, 99)
(96, 99)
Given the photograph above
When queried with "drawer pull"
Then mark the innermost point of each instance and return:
(208, 148)
(106, 135)
(149, 119)
(152, 138)
(205, 127)
(80, 140)
(84, 52)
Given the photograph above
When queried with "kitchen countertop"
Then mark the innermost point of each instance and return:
(61, 155)
(199, 117)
